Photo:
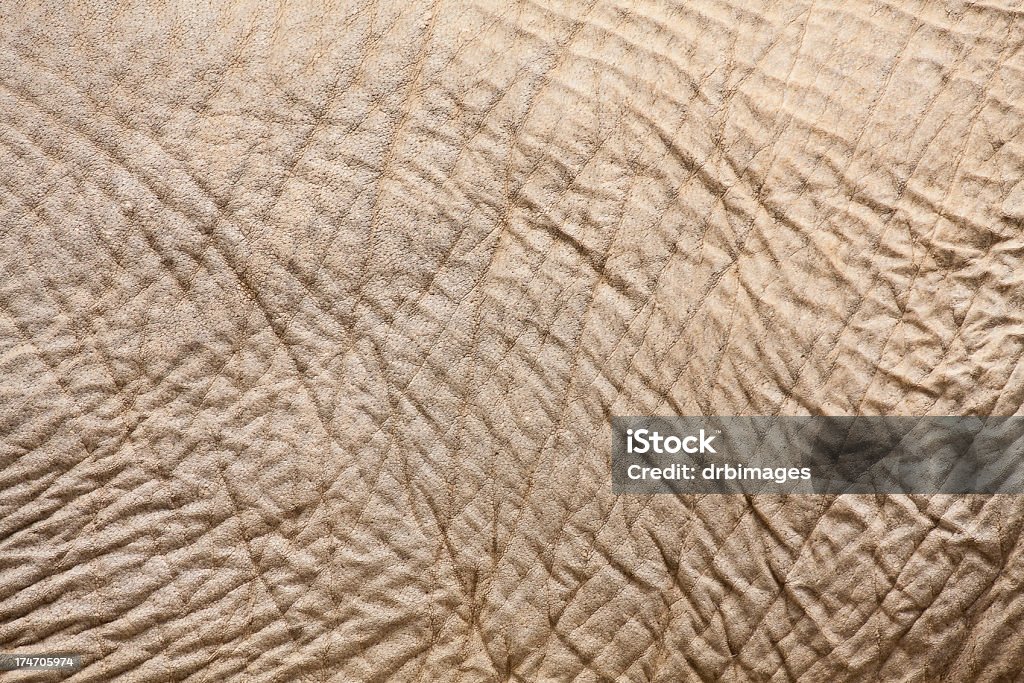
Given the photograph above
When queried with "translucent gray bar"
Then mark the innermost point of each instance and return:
(40, 661)
(827, 455)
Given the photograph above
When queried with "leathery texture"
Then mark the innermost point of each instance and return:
(313, 318)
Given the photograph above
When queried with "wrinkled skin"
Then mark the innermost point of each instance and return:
(312, 320)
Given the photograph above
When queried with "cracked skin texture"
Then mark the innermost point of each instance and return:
(312, 319)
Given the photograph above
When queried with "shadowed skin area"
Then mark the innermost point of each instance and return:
(313, 318)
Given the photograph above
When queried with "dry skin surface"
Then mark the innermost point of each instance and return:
(312, 319)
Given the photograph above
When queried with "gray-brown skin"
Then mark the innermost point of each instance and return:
(312, 319)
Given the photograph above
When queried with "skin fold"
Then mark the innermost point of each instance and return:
(313, 318)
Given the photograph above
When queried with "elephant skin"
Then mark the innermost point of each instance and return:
(313, 318)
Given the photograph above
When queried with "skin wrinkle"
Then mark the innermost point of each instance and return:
(210, 243)
(329, 308)
(959, 157)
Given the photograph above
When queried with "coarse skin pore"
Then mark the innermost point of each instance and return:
(313, 318)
